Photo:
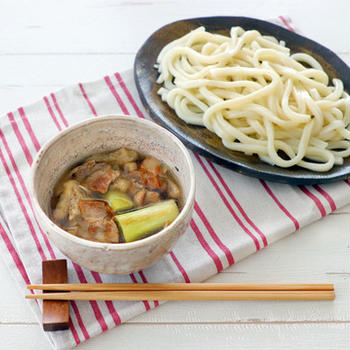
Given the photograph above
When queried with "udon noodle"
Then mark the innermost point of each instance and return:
(257, 97)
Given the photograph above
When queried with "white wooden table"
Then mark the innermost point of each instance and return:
(45, 45)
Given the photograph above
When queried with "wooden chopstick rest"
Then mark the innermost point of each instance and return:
(55, 312)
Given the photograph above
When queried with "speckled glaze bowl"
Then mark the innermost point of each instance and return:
(104, 134)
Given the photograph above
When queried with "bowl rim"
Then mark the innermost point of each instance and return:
(110, 246)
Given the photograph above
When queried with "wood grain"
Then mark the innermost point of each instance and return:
(55, 313)
(94, 287)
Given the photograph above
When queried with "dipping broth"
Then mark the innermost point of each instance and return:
(115, 197)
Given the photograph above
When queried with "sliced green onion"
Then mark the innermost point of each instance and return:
(139, 223)
(118, 201)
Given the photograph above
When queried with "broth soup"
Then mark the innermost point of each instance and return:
(115, 197)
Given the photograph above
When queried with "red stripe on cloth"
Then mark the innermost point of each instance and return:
(52, 113)
(93, 303)
(93, 110)
(74, 331)
(145, 302)
(315, 199)
(285, 22)
(29, 128)
(206, 246)
(129, 96)
(15, 257)
(116, 95)
(20, 201)
(280, 205)
(65, 123)
(144, 280)
(180, 267)
(109, 304)
(79, 320)
(24, 188)
(347, 182)
(18, 262)
(241, 210)
(228, 205)
(326, 195)
(20, 139)
(215, 237)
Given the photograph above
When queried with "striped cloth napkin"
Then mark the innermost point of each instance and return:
(234, 215)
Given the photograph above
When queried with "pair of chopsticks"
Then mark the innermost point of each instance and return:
(182, 291)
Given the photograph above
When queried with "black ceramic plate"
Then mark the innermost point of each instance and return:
(207, 143)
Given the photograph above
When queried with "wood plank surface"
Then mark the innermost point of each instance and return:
(291, 336)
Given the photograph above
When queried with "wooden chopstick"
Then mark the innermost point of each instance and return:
(189, 295)
(182, 287)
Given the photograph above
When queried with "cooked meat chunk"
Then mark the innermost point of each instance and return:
(152, 182)
(152, 165)
(139, 197)
(67, 205)
(120, 184)
(135, 187)
(165, 170)
(173, 190)
(119, 157)
(84, 170)
(100, 180)
(97, 222)
(130, 166)
(152, 197)
(146, 178)
(95, 210)
(164, 187)
(104, 232)
(124, 155)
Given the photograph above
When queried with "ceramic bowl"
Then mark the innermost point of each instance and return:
(105, 134)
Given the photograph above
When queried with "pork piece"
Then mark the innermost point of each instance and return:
(84, 170)
(100, 180)
(139, 197)
(151, 165)
(130, 166)
(151, 197)
(95, 210)
(67, 206)
(165, 170)
(146, 178)
(118, 157)
(97, 222)
(173, 190)
(120, 184)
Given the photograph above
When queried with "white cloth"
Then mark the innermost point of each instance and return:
(234, 216)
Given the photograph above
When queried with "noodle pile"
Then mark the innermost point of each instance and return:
(257, 97)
